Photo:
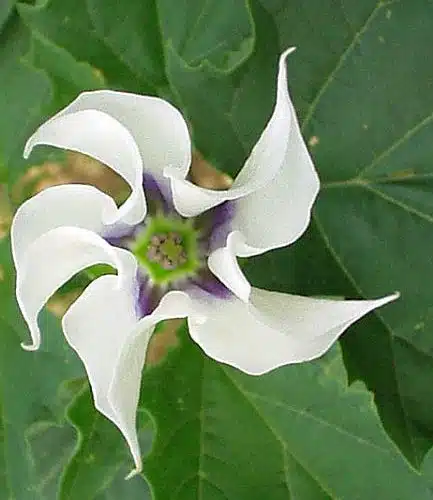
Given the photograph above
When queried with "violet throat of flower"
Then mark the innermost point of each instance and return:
(172, 251)
(168, 249)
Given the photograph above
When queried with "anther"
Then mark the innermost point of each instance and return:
(156, 239)
(167, 264)
(154, 254)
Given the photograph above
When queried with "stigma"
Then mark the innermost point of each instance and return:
(167, 250)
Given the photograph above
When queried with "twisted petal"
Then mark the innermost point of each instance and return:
(158, 128)
(98, 326)
(224, 265)
(125, 383)
(53, 259)
(101, 136)
(67, 205)
(278, 179)
(273, 329)
(287, 200)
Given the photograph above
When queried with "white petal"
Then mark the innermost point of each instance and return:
(103, 137)
(157, 127)
(53, 259)
(98, 326)
(287, 200)
(124, 390)
(274, 329)
(67, 205)
(272, 153)
(224, 265)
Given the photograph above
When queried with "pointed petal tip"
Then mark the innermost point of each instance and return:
(394, 296)
(381, 301)
(28, 148)
(287, 52)
(134, 472)
(30, 347)
(256, 371)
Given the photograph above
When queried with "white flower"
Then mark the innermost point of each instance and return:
(67, 228)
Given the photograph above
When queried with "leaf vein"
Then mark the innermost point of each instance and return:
(283, 445)
(397, 203)
(356, 181)
(320, 421)
(357, 35)
(396, 144)
(78, 448)
(351, 279)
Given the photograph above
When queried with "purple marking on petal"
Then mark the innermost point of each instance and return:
(222, 216)
(148, 296)
(209, 283)
(156, 194)
(121, 235)
(143, 299)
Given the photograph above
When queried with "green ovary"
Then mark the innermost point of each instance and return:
(167, 248)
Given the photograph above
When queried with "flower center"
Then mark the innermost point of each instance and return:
(167, 248)
(172, 252)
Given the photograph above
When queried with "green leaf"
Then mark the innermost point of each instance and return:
(362, 84)
(220, 32)
(101, 455)
(51, 445)
(427, 468)
(23, 100)
(29, 387)
(299, 432)
(70, 27)
(193, 87)
(133, 36)
(133, 489)
(223, 109)
(68, 76)
(6, 9)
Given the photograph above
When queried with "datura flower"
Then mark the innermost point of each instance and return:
(174, 246)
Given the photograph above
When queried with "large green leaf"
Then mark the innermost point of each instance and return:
(362, 84)
(133, 36)
(6, 8)
(25, 93)
(68, 76)
(51, 445)
(101, 456)
(220, 32)
(128, 46)
(368, 123)
(70, 27)
(30, 95)
(299, 432)
(55, 449)
(222, 109)
(133, 489)
(427, 468)
(29, 387)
